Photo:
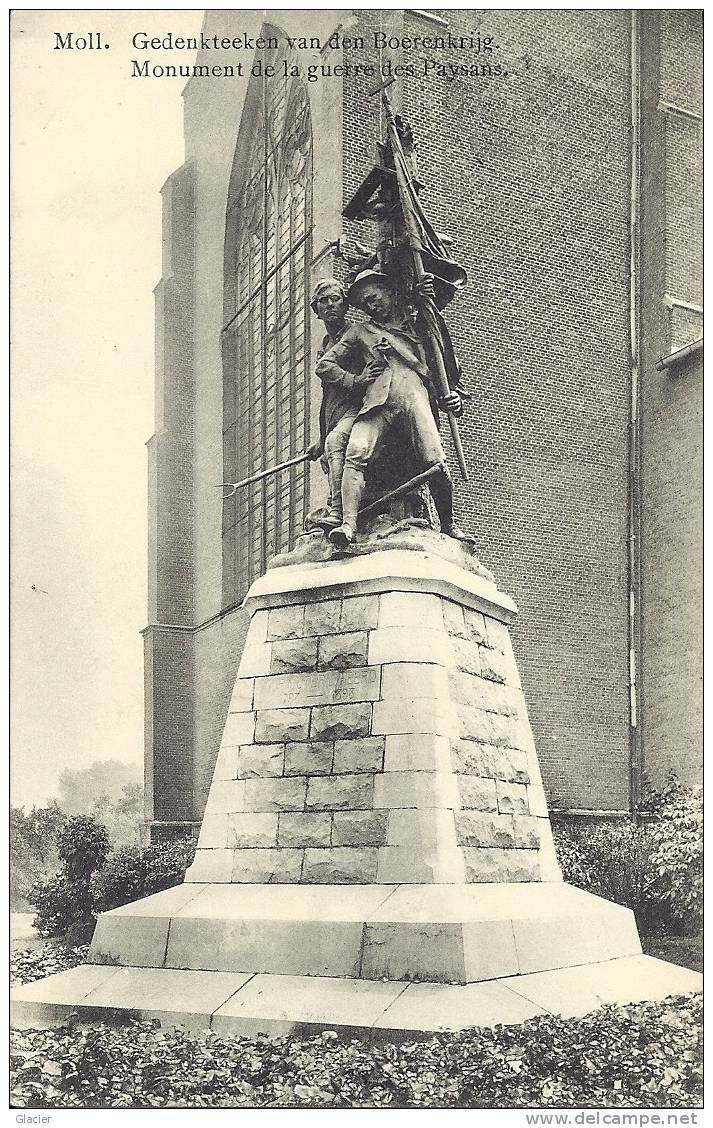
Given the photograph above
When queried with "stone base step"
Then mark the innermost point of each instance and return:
(429, 933)
(238, 1004)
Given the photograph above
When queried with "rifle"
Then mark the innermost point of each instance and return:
(233, 487)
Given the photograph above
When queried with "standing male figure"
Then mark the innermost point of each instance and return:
(399, 395)
(342, 393)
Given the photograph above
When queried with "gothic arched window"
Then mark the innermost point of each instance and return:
(266, 322)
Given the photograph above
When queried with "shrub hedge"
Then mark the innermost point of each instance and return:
(655, 868)
(93, 879)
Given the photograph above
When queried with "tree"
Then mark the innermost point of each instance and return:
(33, 849)
(82, 788)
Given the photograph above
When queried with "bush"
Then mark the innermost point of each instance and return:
(61, 906)
(656, 869)
(613, 860)
(82, 845)
(90, 882)
(33, 849)
(677, 856)
(64, 902)
(132, 872)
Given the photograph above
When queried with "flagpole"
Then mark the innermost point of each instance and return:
(428, 309)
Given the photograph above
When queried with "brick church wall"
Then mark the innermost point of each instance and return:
(529, 176)
(671, 438)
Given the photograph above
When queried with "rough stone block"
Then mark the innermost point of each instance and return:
(454, 619)
(342, 864)
(286, 622)
(267, 866)
(475, 623)
(526, 829)
(275, 794)
(416, 789)
(409, 644)
(511, 764)
(214, 831)
(294, 655)
(475, 828)
(359, 828)
(414, 679)
(312, 758)
(239, 729)
(242, 698)
(258, 760)
(498, 635)
(249, 830)
(471, 689)
(226, 766)
(512, 798)
(304, 828)
(417, 752)
(475, 724)
(409, 715)
(477, 793)
(272, 726)
(492, 664)
(343, 651)
(340, 722)
(403, 608)
(324, 617)
(321, 687)
(503, 730)
(465, 655)
(483, 864)
(255, 660)
(359, 613)
(471, 757)
(228, 796)
(363, 755)
(507, 699)
(335, 793)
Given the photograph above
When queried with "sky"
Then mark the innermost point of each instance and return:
(91, 148)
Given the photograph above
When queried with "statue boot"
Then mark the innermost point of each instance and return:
(333, 517)
(442, 493)
(353, 483)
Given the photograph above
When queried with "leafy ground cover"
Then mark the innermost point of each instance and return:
(28, 964)
(642, 1056)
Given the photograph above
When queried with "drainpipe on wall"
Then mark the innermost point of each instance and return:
(634, 510)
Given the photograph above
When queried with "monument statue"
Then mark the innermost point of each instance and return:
(386, 379)
(397, 394)
(376, 851)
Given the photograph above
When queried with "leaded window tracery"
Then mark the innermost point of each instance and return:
(266, 325)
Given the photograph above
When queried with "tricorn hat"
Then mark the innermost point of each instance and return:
(360, 281)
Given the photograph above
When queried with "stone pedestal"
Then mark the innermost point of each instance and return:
(377, 733)
(376, 819)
